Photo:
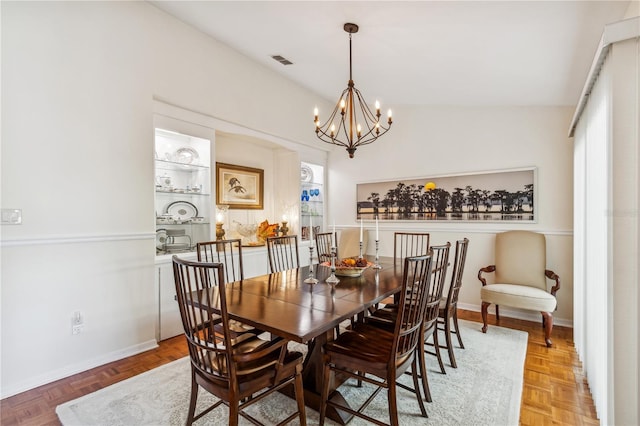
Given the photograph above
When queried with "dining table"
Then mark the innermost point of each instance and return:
(283, 304)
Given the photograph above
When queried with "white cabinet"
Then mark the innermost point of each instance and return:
(182, 191)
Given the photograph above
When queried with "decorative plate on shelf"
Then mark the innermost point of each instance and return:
(186, 155)
(161, 238)
(181, 210)
(306, 174)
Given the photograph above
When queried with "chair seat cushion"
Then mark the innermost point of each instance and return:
(518, 296)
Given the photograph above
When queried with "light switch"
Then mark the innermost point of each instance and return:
(11, 216)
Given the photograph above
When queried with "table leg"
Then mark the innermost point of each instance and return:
(312, 381)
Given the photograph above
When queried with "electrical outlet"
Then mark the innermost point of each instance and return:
(77, 329)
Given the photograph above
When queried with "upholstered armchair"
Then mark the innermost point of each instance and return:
(520, 278)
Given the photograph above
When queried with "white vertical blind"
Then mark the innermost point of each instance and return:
(579, 207)
(606, 127)
(597, 226)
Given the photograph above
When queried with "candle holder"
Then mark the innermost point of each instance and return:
(360, 249)
(332, 278)
(219, 231)
(377, 264)
(284, 229)
(311, 279)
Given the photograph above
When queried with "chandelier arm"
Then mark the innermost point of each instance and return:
(368, 117)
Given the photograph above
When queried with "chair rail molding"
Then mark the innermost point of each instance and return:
(76, 239)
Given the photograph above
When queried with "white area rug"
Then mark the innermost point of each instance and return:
(485, 389)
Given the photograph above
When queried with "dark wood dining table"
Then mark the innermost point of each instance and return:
(283, 304)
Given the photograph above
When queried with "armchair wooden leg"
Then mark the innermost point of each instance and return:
(548, 326)
(485, 307)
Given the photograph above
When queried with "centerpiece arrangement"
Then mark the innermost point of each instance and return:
(350, 266)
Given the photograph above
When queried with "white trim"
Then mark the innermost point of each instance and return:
(167, 109)
(435, 227)
(80, 367)
(75, 239)
(517, 314)
(613, 33)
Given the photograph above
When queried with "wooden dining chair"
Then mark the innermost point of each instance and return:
(386, 317)
(283, 253)
(229, 253)
(406, 244)
(440, 265)
(324, 242)
(378, 356)
(240, 372)
(448, 311)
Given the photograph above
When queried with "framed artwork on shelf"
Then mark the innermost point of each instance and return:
(239, 187)
(492, 196)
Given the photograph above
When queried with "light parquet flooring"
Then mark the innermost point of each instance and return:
(555, 391)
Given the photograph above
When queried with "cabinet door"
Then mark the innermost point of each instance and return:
(170, 323)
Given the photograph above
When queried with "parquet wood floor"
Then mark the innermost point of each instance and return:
(555, 391)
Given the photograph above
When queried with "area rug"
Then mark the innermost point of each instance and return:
(485, 389)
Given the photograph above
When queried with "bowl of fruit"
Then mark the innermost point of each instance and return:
(350, 266)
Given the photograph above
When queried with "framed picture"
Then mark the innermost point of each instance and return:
(492, 196)
(239, 187)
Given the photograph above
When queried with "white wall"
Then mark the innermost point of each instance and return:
(433, 141)
(79, 80)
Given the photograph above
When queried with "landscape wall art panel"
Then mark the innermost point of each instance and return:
(492, 196)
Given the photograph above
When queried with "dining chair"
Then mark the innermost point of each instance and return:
(283, 253)
(240, 372)
(349, 242)
(229, 253)
(386, 317)
(378, 356)
(448, 311)
(324, 242)
(440, 265)
(406, 244)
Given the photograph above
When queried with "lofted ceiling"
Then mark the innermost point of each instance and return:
(476, 53)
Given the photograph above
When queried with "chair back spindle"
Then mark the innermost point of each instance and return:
(412, 305)
(227, 252)
(408, 244)
(283, 253)
(324, 242)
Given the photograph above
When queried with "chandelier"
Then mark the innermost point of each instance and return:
(352, 123)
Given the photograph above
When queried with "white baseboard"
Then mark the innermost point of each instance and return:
(517, 314)
(70, 370)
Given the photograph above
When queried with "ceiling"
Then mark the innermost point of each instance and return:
(476, 53)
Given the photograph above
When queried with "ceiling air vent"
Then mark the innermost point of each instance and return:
(282, 60)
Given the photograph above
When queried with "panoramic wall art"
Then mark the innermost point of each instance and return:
(492, 196)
